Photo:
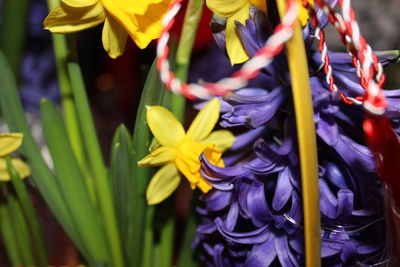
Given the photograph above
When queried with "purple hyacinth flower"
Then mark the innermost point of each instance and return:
(253, 216)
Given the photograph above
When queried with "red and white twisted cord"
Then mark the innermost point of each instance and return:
(368, 66)
(239, 79)
(323, 48)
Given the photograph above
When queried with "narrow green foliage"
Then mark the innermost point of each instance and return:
(20, 230)
(7, 234)
(100, 179)
(36, 242)
(121, 180)
(153, 94)
(42, 176)
(163, 225)
(186, 253)
(71, 184)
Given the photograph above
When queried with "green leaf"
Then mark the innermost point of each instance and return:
(100, 180)
(42, 176)
(37, 245)
(71, 184)
(20, 230)
(121, 180)
(186, 254)
(7, 232)
(153, 94)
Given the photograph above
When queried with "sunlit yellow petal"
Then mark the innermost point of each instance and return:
(225, 8)
(164, 126)
(66, 19)
(234, 47)
(149, 25)
(163, 183)
(159, 156)
(223, 139)
(114, 38)
(21, 167)
(79, 3)
(142, 20)
(205, 121)
(303, 13)
(9, 142)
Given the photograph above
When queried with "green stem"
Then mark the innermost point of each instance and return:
(101, 184)
(14, 18)
(184, 51)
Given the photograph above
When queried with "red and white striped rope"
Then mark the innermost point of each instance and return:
(323, 48)
(239, 79)
(366, 62)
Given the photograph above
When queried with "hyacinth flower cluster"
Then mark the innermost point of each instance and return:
(253, 216)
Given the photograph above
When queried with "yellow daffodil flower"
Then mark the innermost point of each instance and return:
(238, 10)
(140, 19)
(180, 151)
(9, 143)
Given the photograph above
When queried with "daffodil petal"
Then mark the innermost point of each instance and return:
(223, 139)
(234, 47)
(164, 126)
(159, 156)
(303, 13)
(261, 4)
(21, 167)
(114, 38)
(225, 8)
(66, 19)
(9, 142)
(205, 121)
(163, 183)
(142, 20)
(79, 3)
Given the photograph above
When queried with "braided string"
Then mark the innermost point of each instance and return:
(239, 79)
(369, 69)
(323, 48)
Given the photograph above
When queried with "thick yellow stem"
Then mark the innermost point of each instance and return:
(307, 141)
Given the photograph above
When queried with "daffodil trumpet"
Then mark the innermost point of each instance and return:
(179, 151)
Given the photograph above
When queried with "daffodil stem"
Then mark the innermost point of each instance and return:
(95, 159)
(67, 99)
(13, 31)
(307, 141)
(192, 18)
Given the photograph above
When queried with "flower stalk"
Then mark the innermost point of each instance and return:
(307, 142)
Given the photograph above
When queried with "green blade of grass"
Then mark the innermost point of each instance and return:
(36, 238)
(72, 186)
(100, 179)
(42, 176)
